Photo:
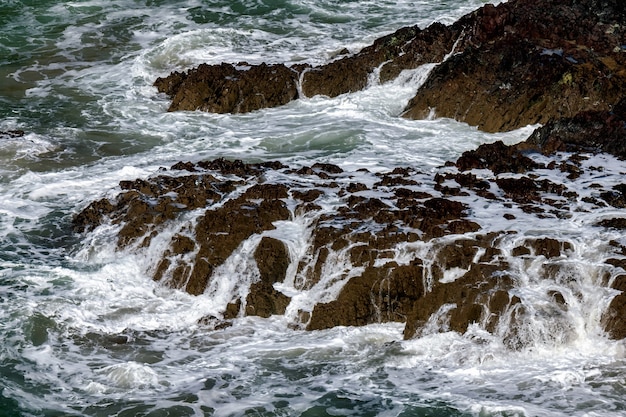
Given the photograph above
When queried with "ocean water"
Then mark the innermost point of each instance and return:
(84, 331)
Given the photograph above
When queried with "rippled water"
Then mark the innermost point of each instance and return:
(83, 328)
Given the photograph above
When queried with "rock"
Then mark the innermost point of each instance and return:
(220, 231)
(11, 134)
(616, 223)
(521, 62)
(352, 73)
(241, 206)
(615, 321)
(496, 157)
(614, 318)
(548, 247)
(379, 294)
(455, 305)
(272, 259)
(428, 46)
(526, 62)
(394, 247)
(92, 216)
(227, 88)
(590, 131)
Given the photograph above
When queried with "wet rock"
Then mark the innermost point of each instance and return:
(614, 318)
(518, 63)
(525, 62)
(392, 250)
(307, 196)
(590, 131)
(429, 45)
(379, 294)
(11, 134)
(214, 323)
(496, 157)
(272, 260)
(228, 88)
(219, 232)
(455, 305)
(558, 297)
(352, 73)
(615, 223)
(92, 216)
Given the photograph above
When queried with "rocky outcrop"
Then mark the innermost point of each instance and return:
(528, 62)
(241, 88)
(407, 48)
(403, 245)
(397, 246)
(230, 88)
(12, 134)
(352, 73)
(521, 62)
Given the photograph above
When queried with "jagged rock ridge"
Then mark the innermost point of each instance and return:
(396, 246)
(521, 62)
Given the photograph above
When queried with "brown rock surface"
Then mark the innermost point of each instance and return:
(351, 73)
(272, 259)
(615, 317)
(452, 271)
(377, 295)
(530, 61)
(591, 131)
(227, 88)
(518, 63)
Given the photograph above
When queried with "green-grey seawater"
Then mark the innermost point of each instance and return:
(84, 331)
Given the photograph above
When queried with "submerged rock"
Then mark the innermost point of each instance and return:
(11, 134)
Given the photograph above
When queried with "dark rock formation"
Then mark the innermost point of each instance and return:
(557, 62)
(352, 73)
(272, 259)
(366, 229)
(460, 276)
(521, 62)
(591, 131)
(530, 61)
(230, 88)
(12, 134)
(378, 295)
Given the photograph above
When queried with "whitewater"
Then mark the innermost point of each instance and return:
(85, 331)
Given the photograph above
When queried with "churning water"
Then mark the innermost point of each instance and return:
(84, 331)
